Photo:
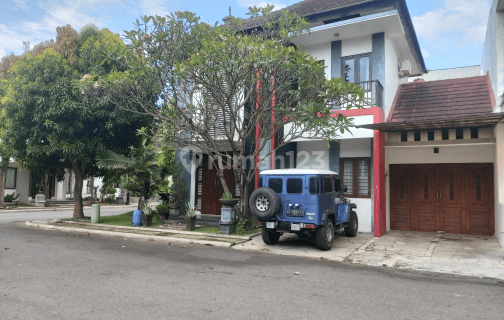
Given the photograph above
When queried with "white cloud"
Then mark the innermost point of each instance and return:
(425, 53)
(2, 53)
(22, 4)
(456, 23)
(261, 3)
(153, 8)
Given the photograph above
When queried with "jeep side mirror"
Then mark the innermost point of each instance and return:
(345, 189)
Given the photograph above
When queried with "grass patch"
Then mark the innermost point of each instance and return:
(207, 229)
(125, 219)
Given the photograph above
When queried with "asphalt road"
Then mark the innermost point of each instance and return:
(54, 275)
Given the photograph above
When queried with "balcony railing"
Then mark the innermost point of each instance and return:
(373, 94)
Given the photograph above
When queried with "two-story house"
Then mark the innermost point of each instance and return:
(372, 43)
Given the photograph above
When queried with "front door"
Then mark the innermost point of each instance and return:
(455, 198)
(212, 189)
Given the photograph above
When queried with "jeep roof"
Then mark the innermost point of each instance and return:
(297, 172)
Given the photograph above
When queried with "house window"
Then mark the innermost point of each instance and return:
(356, 177)
(314, 185)
(357, 69)
(10, 178)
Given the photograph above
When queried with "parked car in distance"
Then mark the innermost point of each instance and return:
(307, 202)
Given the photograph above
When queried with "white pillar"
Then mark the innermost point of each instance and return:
(192, 188)
(60, 190)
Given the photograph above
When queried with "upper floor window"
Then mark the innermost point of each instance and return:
(357, 68)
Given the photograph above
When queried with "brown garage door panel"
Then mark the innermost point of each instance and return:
(455, 198)
(401, 219)
(479, 222)
(452, 221)
(426, 219)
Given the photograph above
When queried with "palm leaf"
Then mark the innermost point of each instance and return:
(112, 160)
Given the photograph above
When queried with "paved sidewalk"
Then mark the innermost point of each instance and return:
(61, 208)
(465, 255)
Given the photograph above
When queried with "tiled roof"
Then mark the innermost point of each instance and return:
(442, 100)
(306, 8)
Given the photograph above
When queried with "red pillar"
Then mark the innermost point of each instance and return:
(380, 216)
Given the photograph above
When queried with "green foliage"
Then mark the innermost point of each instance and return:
(58, 127)
(227, 196)
(242, 227)
(107, 189)
(188, 210)
(110, 199)
(163, 209)
(11, 197)
(141, 167)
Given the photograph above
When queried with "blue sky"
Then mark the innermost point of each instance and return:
(451, 32)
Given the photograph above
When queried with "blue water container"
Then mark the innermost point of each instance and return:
(137, 218)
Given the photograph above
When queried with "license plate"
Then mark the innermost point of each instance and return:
(295, 213)
(295, 227)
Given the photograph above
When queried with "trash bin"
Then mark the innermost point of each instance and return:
(95, 213)
(137, 218)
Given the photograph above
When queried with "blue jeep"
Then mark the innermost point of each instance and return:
(304, 201)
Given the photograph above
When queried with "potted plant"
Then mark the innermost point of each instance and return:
(228, 199)
(163, 211)
(147, 216)
(190, 217)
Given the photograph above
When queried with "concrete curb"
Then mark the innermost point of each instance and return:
(44, 225)
(55, 208)
(168, 230)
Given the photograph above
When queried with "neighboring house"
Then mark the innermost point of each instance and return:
(375, 42)
(24, 183)
(442, 153)
(493, 52)
(452, 73)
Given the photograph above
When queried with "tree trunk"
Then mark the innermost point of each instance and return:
(79, 170)
(45, 186)
(141, 201)
(91, 183)
(4, 164)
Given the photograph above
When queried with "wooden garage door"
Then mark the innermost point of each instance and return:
(455, 198)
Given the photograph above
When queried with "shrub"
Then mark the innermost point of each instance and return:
(109, 199)
(11, 197)
(163, 209)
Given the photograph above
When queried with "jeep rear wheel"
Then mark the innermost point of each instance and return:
(264, 203)
(270, 237)
(324, 237)
(353, 225)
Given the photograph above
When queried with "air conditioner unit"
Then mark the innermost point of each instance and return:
(405, 67)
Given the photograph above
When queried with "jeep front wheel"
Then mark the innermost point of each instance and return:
(324, 236)
(264, 203)
(270, 237)
(353, 225)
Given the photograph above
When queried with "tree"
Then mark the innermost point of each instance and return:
(5, 152)
(141, 164)
(228, 85)
(54, 119)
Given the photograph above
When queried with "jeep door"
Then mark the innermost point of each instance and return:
(294, 198)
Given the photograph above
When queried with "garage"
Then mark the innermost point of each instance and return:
(454, 198)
